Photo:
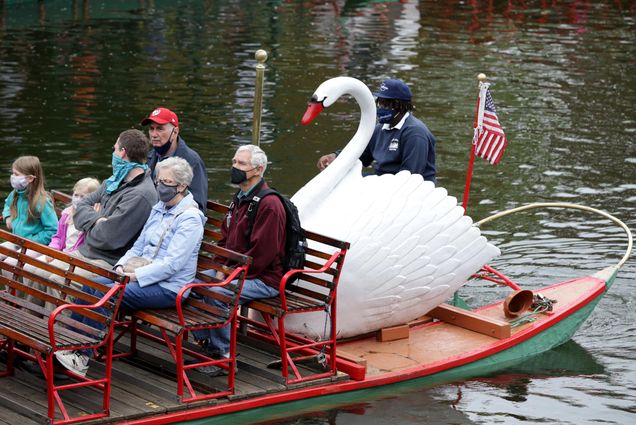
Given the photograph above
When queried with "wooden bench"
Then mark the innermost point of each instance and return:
(310, 289)
(191, 313)
(36, 323)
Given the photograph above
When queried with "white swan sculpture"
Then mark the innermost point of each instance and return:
(411, 244)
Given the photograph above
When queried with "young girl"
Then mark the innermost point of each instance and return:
(28, 210)
(68, 238)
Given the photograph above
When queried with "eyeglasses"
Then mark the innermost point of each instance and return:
(166, 182)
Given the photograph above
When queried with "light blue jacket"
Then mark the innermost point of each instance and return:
(39, 231)
(176, 261)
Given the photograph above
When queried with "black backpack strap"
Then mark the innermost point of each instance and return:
(252, 209)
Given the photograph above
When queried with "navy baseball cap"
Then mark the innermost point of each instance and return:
(394, 89)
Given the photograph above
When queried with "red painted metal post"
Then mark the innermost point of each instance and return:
(469, 177)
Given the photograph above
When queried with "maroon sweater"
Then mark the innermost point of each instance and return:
(267, 242)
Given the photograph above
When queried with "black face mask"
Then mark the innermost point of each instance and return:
(239, 176)
(163, 149)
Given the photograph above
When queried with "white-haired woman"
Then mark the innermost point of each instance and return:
(163, 258)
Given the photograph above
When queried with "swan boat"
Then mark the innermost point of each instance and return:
(448, 344)
(458, 345)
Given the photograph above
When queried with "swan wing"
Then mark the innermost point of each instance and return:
(411, 248)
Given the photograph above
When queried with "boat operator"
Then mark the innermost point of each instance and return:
(400, 141)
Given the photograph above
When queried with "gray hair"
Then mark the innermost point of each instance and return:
(180, 169)
(258, 158)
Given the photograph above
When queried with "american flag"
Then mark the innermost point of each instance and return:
(489, 138)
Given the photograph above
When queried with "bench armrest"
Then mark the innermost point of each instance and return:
(115, 291)
(283, 282)
(238, 271)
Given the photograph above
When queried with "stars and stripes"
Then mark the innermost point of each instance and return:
(489, 137)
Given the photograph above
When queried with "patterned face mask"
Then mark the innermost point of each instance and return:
(386, 115)
(19, 182)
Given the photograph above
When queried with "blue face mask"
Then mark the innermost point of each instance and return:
(121, 168)
(386, 115)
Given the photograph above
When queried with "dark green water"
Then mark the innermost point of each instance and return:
(74, 74)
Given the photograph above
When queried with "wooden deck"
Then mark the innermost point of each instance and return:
(143, 386)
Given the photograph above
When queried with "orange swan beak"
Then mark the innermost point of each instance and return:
(313, 110)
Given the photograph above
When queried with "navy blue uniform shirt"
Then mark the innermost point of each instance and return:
(407, 146)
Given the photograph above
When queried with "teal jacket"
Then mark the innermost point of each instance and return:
(39, 231)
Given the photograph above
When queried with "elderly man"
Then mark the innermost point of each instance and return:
(265, 243)
(164, 133)
(400, 141)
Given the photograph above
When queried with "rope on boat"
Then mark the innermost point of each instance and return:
(571, 206)
(540, 304)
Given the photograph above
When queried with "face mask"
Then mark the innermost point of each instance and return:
(121, 168)
(238, 176)
(166, 193)
(386, 115)
(75, 200)
(19, 182)
(163, 149)
(118, 164)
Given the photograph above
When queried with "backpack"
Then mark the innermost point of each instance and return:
(295, 240)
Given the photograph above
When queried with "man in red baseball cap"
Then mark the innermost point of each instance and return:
(163, 131)
(162, 116)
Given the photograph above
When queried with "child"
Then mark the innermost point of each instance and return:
(28, 210)
(68, 238)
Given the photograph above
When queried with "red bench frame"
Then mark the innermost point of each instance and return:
(46, 332)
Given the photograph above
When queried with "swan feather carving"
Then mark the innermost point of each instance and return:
(411, 244)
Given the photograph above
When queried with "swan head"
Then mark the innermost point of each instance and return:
(314, 108)
(331, 90)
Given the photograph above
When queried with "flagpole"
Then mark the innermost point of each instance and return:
(477, 124)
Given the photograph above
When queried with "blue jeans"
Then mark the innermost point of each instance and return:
(253, 289)
(135, 298)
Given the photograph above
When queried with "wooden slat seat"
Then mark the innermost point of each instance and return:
(35, 311)
(310, 289)
(192, 313)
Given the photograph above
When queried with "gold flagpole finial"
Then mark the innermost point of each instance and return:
(261, 57)
(482, 77)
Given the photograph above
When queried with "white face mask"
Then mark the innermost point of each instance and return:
(19, 182)
(75, 200)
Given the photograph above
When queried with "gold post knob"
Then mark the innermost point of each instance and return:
(260, 56)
